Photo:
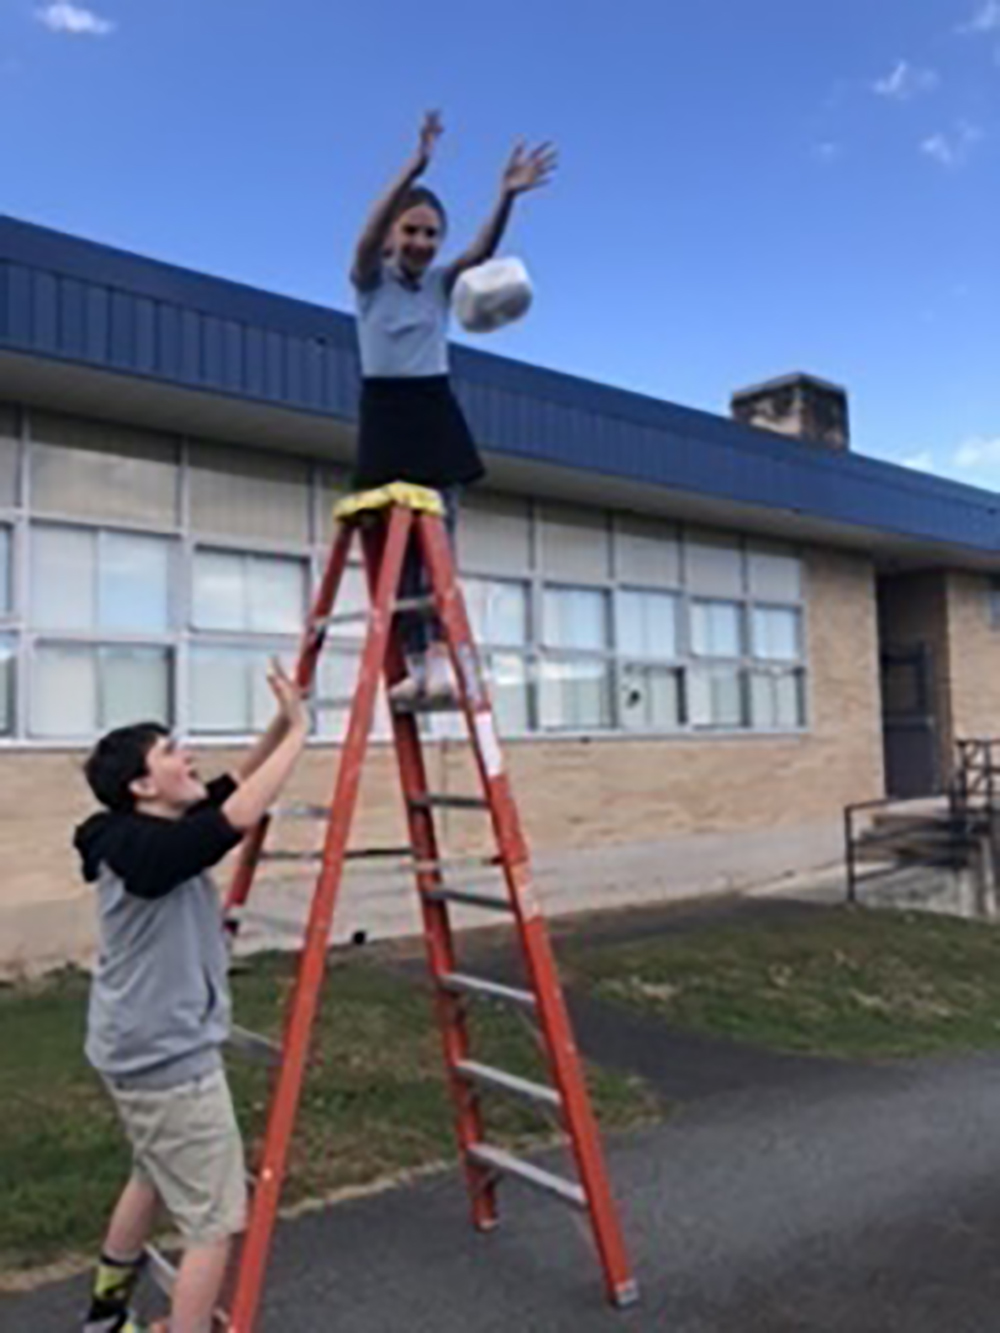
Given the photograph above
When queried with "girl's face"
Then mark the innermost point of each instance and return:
(415, 238)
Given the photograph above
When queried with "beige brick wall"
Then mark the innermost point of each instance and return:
(974, 669)
(914, 609)
(610, 820)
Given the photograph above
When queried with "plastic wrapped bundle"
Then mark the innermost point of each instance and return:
(492, 294)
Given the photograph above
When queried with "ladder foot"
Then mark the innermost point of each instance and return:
(626, 1294)
(487, 1225)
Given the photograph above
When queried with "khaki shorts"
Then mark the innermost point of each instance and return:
(186, 1144)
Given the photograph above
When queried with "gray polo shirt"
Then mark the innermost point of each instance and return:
(402, 328)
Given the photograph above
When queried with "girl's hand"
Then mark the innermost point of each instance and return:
(529, 171)
(430, 131)
(288, 696)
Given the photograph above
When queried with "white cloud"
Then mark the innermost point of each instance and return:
(920, 462)
(979, 452)
(62, 16)
(906, 81)
(953, 149)
(986, 19)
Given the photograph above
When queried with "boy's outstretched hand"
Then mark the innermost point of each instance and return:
(291, 707)
(529, 170)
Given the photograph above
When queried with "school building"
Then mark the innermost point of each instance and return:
(706, 635)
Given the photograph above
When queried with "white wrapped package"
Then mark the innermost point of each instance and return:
(491, 295)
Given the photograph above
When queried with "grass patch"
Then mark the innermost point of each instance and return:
(840, 982)
(375, 1102)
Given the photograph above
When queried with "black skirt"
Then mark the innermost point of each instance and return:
(413, 429)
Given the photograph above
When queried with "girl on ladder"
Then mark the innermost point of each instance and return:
(411, 425)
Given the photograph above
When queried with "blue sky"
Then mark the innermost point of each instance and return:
(745, 189)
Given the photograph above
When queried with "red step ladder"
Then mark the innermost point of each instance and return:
(385, 521)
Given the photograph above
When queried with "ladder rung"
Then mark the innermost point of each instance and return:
(253, 1046)
(330, 705)
(505, 1163)
(442, 703)
(441, 801)
(475, 1072)
(302, 810)
(491, 990)
(415, 606)
(377, 853)
(444, 866)
(282, 854)
(466, 898)
(249, 916)
(339, 618)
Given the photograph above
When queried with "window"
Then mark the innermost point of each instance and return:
(715, 629)
(78, 690)
(242, 593)
(575, 683)
(499, 616)
(6, 571)
(9, 456)
(647, 630)
(84, 579)
(97, 470)
(776, 633)
(777, 701)
(8, 649)
(715, 697)
(229, 689)
(247, 493)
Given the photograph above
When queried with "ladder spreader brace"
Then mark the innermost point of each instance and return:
(386, 521)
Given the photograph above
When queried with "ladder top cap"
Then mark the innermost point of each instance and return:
(403, 493)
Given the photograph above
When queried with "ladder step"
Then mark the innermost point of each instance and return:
(281, 854)
(249, 916)
(441, 801)
(253, 1046)
(475, 1072)
(378, 853)
(415, 606)
(466, 898)
(321, 705)
(302, 810)
(446, 703)
(492, 990)
(505, 1163)
(447, 864)
(339, 618)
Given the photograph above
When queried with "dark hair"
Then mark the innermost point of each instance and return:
(118, 759)
(417, 196)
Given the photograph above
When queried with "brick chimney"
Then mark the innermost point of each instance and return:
(801, 405)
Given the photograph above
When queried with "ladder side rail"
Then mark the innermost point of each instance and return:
(304, 1000)
(564, 1059)
(437, 927)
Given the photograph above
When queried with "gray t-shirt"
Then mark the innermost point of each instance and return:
(402, 327)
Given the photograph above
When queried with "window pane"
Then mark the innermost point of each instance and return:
(134, 686)
(776, 700)
(647, 624)
(509, 692)
(714, 564)
(248, 493)
(715, 697)
(715, 629)
(651, 699)
(776, 633)
(575, 618)
(218, 595)
(775, 575)
(7, 650)
(575, 694)
(134, 587)
(647, 551)
(498, 610)
(9, 455)
(6, 572)
(95, 469)
(494, 533)
(336, 678)
(63, 578)
(575, 543)
(220, 691)
(63, 693)
(276, 591)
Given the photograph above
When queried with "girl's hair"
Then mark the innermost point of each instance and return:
(419, 195)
